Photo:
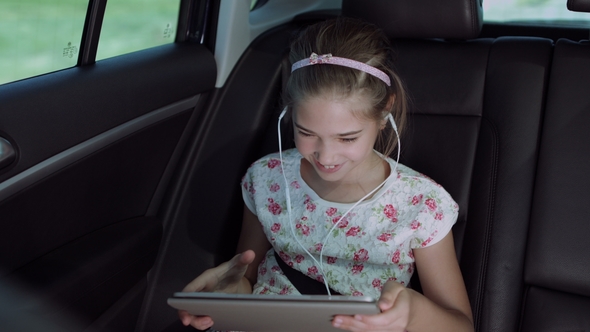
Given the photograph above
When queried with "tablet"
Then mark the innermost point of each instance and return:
(260, 313)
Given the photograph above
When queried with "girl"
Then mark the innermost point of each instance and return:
(337, 210)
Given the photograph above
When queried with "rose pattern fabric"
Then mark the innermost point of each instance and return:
(368, 246)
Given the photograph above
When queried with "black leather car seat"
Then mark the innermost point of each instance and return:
(557, 269)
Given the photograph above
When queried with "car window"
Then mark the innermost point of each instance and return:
(133, 25)
(544, 12)
(39, 36)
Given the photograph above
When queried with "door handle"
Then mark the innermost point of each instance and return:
(7, 153)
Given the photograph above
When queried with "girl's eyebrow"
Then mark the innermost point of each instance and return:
(340, 135)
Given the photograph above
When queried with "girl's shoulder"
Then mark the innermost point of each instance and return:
(412, 179)
(404, 171)
(272, 162)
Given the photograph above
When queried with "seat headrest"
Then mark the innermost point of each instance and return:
(448, 19)
(579, 5)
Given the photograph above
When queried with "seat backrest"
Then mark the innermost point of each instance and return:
(557, 269)
(476, 107)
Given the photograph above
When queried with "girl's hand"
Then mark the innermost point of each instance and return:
(394, 303)
(228, 277)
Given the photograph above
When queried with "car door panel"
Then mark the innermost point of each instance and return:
(82, 279)
(45, 115)
(95, 149)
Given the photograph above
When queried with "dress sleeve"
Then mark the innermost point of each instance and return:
(248, 190)
(437, 216)
(255, 183)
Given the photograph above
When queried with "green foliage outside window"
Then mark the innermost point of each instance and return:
(39, 36)
(42, 36)
(545, 12)
(133, 25)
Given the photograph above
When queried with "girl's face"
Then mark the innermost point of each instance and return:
(331, 136)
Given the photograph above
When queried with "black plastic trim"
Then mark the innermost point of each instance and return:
(7, 153)
(91, 35)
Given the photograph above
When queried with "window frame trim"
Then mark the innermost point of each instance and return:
(91, 33)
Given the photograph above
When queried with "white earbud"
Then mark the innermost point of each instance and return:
(392, 121)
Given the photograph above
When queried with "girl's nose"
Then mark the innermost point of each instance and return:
(325, 154)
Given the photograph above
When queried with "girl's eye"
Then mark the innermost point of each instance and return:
(348, 140)
(304, 134)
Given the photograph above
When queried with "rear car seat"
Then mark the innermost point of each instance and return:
(557, 269)
(474, 128)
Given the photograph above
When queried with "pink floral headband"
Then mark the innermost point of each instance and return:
(315, 59)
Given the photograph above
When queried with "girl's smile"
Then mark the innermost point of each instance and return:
(327, 168)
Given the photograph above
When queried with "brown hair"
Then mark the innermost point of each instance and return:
(357, 40)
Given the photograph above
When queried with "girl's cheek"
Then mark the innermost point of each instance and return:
(300, 147)
(304, 144)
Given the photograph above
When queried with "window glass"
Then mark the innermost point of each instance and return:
(39, 36)
(133, 25)
(549, 12)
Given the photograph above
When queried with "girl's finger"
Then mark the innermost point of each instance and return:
(202, 323)
(185, 317)
(362, 323)
(247, 257)
(389, 295)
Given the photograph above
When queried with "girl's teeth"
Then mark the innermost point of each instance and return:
(329, 166)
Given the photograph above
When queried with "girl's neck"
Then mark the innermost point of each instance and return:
(368, 178)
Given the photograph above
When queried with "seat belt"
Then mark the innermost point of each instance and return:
(303, 283)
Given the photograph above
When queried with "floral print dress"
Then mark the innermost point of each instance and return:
(369, 246)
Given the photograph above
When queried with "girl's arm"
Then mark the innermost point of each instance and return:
(443, 287)
(237, 275)
(443, 307)
(252, 237)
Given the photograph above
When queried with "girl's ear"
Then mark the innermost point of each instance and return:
(387, 110)
(390, 103)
